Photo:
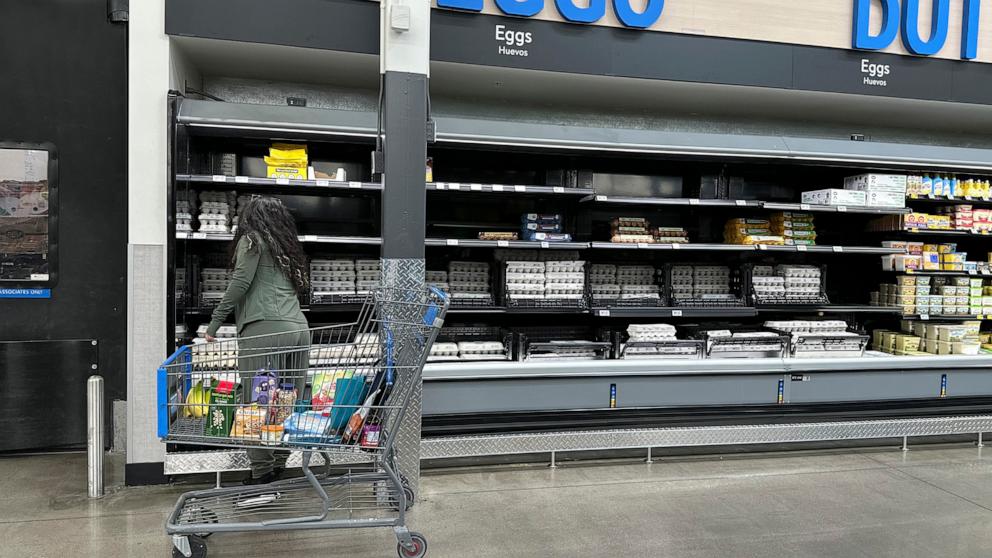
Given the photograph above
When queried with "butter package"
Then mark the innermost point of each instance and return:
(885, 199)
(748, 222)
(931, 261)
(797, 234)
(896, 183)
(834, 196)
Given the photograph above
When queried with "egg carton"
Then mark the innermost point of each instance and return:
(502, 255)
(215, 196)
(802, 281)
(525, 296)
(602, 269)
(605, 291)
(184, 226)
(213, 226)
(523, 278)
(562, 294)
(561, 256)
(436, 276)
(332, 276)
(438, 285)
(564, 287)
(565, 277)
(602, 280)
(468, 267)
(337, 287)
(559, 266)
(639, 289)
(466, 348)
(797, 271)
(524, 267)
(651, 329)
(368, 265)
(635, 270)
(762, 271)
(468, 287)
(332, 265)
(468, 276)
(768, 281)
(442, 349)
(471, 297)
(524, 288)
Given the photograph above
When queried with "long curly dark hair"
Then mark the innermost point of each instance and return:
(267, 220)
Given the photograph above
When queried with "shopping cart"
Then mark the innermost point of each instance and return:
(337, 394)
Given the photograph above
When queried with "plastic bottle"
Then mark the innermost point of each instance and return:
(938, 186)
(953, 192)
(927, 189)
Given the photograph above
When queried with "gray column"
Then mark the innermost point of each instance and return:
(404, 62)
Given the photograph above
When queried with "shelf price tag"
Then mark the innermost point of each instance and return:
(676, 246)
(503, 243)
(545, 245)
(741, 203)
(354, 184)
(601, 198)
(241, 180)
(519, 188)
(497, 187)
(643, 245)
(693, 201)
(199, 236)
(676, 313)
(282, 181)
(475, 187)
(309, 238)
(804, 206)
(454, 186)
(219, 178)
(323, 182)
(841, 208)
(603, 313)
(439, 186)
(452, 242)
(838, 249)
(924, 317)
(762, 246)
(181, 235)
(972, 272)
(558, 189)
(801, 248)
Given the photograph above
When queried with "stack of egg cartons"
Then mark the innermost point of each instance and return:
(701, 282)
(367, 275)
(564, 279)
(185, 208)
(469, 282)
(442, 350)
(802, 282)
(216, 211)
(603, 283)
(213, 285)
(331, 277)
(637, 282)
(481, 350)
(438, 279)
(525, 280)
(180, 285)
(767, 285)
(648, 333)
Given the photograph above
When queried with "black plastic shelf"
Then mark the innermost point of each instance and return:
(282, 185)
(941, 273)
(757, 204)
(474, 243)
(829, 308)
(950, 201)
(944, 317)
(674, 312)
(506, 189)
(929, 232)
(307, 238)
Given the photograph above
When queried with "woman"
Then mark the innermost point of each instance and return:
(270, 270)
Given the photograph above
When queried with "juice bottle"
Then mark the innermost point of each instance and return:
(938, 186)
(927, 188)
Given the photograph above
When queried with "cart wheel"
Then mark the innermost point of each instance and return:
(197, 546)
(419, 549)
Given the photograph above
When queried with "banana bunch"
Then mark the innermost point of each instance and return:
(197, 401)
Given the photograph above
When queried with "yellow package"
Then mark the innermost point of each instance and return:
(763, 239)
(288, 151)
(286, 172)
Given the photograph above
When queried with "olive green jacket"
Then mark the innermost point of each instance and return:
(258, 291)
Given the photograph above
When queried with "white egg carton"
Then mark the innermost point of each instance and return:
(640, 296)
(602, 269)
(639, 289)
(468, 277)
(768, 281)
(605, 291)
(562, 266)
(470, 296)
(797, 271)
(635, 270)
(184, 226)
(763, 271)
(214, 274)
(524, 267)
(526, 296)
(563, 288)
(565, 277)
(560, 256)
(503, 255)
(602, 280)
(467, 348)
(469, 286)
(525, 278)
(332, 276)
(524, 288)
(447, 350)
(333, 287)
(332, 265)
(791, 282)
(367, 265)
(437, 276)
(469, 267)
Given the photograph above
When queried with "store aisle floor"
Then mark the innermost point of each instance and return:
(934, 501)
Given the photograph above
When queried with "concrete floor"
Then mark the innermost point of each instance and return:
(931, 501)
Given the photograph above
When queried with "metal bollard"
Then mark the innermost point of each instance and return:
(94, 435)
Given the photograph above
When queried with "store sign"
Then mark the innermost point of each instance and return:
(569, 10)
(904, 21)
(25, 293)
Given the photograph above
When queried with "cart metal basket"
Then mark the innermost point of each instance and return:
(340, 391)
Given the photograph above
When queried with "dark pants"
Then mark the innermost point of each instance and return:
(282, 348)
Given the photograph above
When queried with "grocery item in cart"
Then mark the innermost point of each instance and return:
(248, 421)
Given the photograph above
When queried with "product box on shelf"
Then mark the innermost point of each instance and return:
(835, 196)
(895, 183)
(885, 199)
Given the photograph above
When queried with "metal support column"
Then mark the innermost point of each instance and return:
(404, 62)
